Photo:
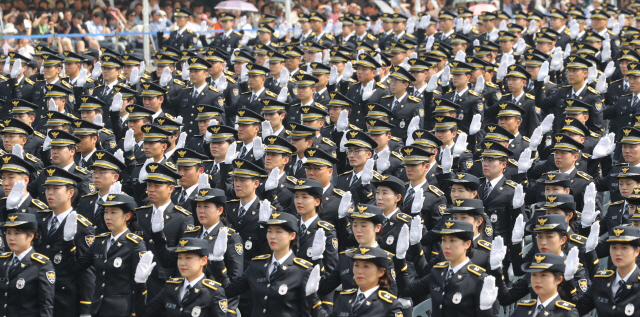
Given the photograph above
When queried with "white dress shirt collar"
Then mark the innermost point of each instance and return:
(368, 293)
(459, 266)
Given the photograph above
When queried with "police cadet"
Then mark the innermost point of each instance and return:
(88, 112)
(248, 127)
(469, 100)
(359, 149)
(251, 98)
(89, 135)
(58, 100)
(26, 112)
(133, 142)
(229, 39)
(160, 180)
(174, 127)
(72, 67)
(446, 130)
(16, 174)
(321, 72)
(118, 113)
(182, 38)
(320, 166)
(131, 62)
(278, 153)
(29, 278)
(19, 86)
(305, 30)
(428, 141)
(623, 111)
(206, 113)
(361, 34)
(404, 107)
(63, 150)
(389, 194)
(219, 79)
(517, 77)
(166, 60)
(315, 117)
(107, 169)
(73, 289)
(305, 91)
(111, 70)
(618, 211)
(153, 97)
(117, 252)
(190, 166)
(275, 113)
(241, 58)
(621, 86)
(380, 132)
(221, 139)
(360, 94)
(510, 117)
(16, 132)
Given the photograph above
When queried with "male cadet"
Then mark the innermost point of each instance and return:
(532, 62)
(491, 92)
(509, 118)
(446, 28)
(302, 137)
(131, 62)
(278, 152)
(293, 59)
(87, 132)
(181, 38)
(275, 112)
(337, 103)
(276, 64)
(174, 127)
(305, 30)
(380, 131)
(229, 38)
(133, 148)
(17, 132)
(173, 85)
(206, 113)
(223, 82)
(111, 70)
(118, 113)
(306, 89)
(321, 72)
(199, 93)
(361, 34)
(63, 150)
(422, 69)
(623, 111)
(317, 21)
(385, 67)
(446, 130)
(599, 18)
(106, 171)
(469, 100)
(315, 117)
(190, 165)
(72, 67)
(156, 142)
(261, 54)
(14, 169)
(89, 108)
(18, 86)
(257, 91)
(222, 137)
(265, 36)
(160, 182)
(248, 128)
(240, 59)
(74, 291)
(577, 69)
(360, 148)
(558, 22)
(428, 141)
(620, 86)
(517, 78)
(52, 67)
(153, 98)
(361, 96)
(403, 106)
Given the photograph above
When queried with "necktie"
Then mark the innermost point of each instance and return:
(195, 94)
(626, 86)
(410, 194)
(224, 36)
(253, 98)
(634, 101)
(183, 197)
(395, 105)
(111, 242)
(243, 152)
(539, 310)
(487, 191)
(303, 230)
(574, 96)
(275, 269)
(626, 209)
(358, 302)
(375, 156)
(204, 234)
(106, 91)
(81, 162)
(455, 97)
(14, 265)
(514, 101)
(54, 226)
(619, 291)
(354, 181)
(186, 294)
(449, 275)
(385, 221)
(136, 147)
(99, 215)
(214, 170)
(315, 96)
(298, 165)
(242, 212)
(416, 93)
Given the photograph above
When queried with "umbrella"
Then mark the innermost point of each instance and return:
(383, 6)
(236, 5)
(482, 7)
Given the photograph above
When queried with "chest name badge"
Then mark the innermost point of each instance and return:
(195, 312)
(457, 298)
(309, 252)
(117, 262)
(629, 309)
(248, 245)
(390, 240)
(494, 217)
(57, 258)
(283, 289)
(20, 283)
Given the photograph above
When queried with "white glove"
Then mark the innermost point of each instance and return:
(17, 150)
(319, 243)
(333, 74)
(329, 26)
(70, 226)
(593, 73)
(616, 29)
(134, 79)
(282, 31)
(502, 71)
(612, 142)
(414, 125)
(418, 201)
(7, 66)
(338, 29)
(185, 71)
(82, 78)
(120, 156)
(498, 252)
(460, 56)
(544, 71)
(525, 161)
(222, 84)
(15, 196)
(493, 36)
(377, 27)
(343, 142)
(97, 69)
(297, 30)
(267, 130)
(144, 268)
(403, 242)
(165, 78)
(574, 29)
(266, 64)
(608, 71)
(589, 213)
(203, 27)
(243, 22)
(593, 239)
(157, 221)
(556, 61)
(518, 197)
(602, 148)
(367, 172)
(52, 105)
(433, 84)
(447, 160)
(265, 211)
(503, 26)
(203, 181)
(446, 75)
(272, 180)
(313, 282)
(98, 120)
(284, 77)
(533, 27)
(518, 230)
(182, 139)
(258, 148)
(536, 138)
(459, 25)
(476, 42)
(368, 91)
(282, 96)
(343, 121)
(424, 21)
(116, 103)
(521, 46)
(567, 51)
(429, 44)
(479, 85)
(476, 123)
(143, 171)
(601, 85)
(47, 144)
(467, 27)
(415, 234)
(460, 146)
(129, 141)
(345, 205)
(547, 123)
(571, 264)
(245, 39)
(220, 246)
(410, 26)
(489, 293)
(347, 72)
(383, 162)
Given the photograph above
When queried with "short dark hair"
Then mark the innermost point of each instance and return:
(75, 190)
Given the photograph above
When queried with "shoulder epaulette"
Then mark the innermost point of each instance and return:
(403, 217)
(353, 127)
(66, 84)
(345, 173)
(292, 179)
(578, 238)
(329, 36)
(39, 257)
(565, 305)
(106, 131)
(182, 210)
(179, 82)
(271, 93)
(473, 92)
(147, 206)
(338, 191)
(584, 175)
(485, 244)
(437, 92)
(5, 255)
(512, 161)
(261, 257)
(302, 262)
(104, 235)
(387, 96)
(395, 138)
(39, 204)
(527, 302)
(353, 81)
(211, 284)
(386, 296)
(604, 273)
(246, 92)
(398, 155)
(435, 190)
(371, 37)
(477, 270)
(347, 292)
(189, 31)
(328, 141)
(441, 265)
(617, 203)
(38, 134)
(593, 134)
(213, 88)
(492, 85)
(84, 221)
(526, 138)
(196, 228)
(175, 280)
(381, 85)
(134, 237)
(530, 96)
(511, 183)
(89, 80)
(586, 155)
(82, 170)
(29, 81)
(414, 99)
(593, 90)
(232, 200)
(325, 225)
(615, 81)
(96, 87)
(230, 79)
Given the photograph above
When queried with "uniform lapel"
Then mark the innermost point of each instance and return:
(284, 267)
(23, 264)
(497, 189)
(366, 305)
(193, 293)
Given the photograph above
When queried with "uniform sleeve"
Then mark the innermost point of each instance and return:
(241, 284)
(508, 296)
(542, 102)
(330, 256)
(314, 303)
(586, 302)
(234, 262)
(305, 309)
(408, 286)
(216, 308)
(86, 278)
(154, 308)
(187, 223)
(166, 258)
(46, 291)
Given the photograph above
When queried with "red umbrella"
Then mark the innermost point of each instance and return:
(482, 7)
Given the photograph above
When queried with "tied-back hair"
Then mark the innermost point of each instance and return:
(557, 275)
(132, 223)
(223, 215)
(385, 281)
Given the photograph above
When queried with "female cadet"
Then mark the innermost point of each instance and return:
(547, 277)
(457, 287)
(114, 255)
(389, 197)
(370, 298)
(276, 281)
(190, 295)
(26, 277)
(552, 237)
(615, 292)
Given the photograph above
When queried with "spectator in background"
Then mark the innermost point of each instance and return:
(7, 44)
(41, 23)
(23, 24)
(60, 5)
(138, 12)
